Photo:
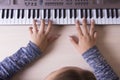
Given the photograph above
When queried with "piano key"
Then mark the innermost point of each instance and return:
(97, 13)
(90, 13)
(71, 15)
(26, 18)
(60, 13)
(108, 13)
(1, 16)
(16, 20)
(49, 13)
(110, 17)
(65, 16)
(3, 13)
(116, 11)
(75, 13)
(7, 13)
(69, 19)
(101, 13)
(18, 15)
(44, 13)
(81, 12)
(34, 14)
(86, 13)
(114, 18)
(64, 13)
(103, 20)
(29, 13)
(118, 19)
(53, 16)
(12, 14)
(72, 19)
(94, 17)
(55, 12)
(61, 16)
(112, 13)
(23, 13)
(38, 13)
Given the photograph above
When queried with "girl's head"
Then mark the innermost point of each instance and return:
(71, 73)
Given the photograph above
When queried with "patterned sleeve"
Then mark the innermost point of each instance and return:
(102, 69)
(10, 65)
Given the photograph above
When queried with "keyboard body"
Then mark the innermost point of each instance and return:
(61, 12)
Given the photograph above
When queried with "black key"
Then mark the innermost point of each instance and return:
(49, 13)
(34, 12)
(3, 13)
(86, 13)
(38, 13)
(90, 13)
(82, 15)
(97, 13)
(44, 14)
(71, 13)
(29, 13)
(64, 13)
(101, 13)
(117, 14)
(55, 13)
(112, 13)
(7, 14)
(108, 13)
(60, 13)
(23, 13)
(18, 13)
(12, 13)
(75, 13)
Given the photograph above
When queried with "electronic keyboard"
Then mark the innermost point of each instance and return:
(61, 12)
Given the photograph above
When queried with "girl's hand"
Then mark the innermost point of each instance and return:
(41, 36)
(86, 36)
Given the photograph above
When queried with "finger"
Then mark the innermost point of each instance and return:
(73, 41)
(92, 28)
(42, 26)
(77, 23)
(35, 26)
(30, 30)
(84, 27)
(49, 27)
(95, 35)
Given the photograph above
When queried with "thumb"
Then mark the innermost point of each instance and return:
(73, 41)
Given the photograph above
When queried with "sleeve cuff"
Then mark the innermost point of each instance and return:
(90, 51)
(34, 47)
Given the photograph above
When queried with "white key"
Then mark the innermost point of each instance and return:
(114, 19)
(0, 16)
(79, 12)
(103, 20)
(94, 16)
(61, 19)
(58, 21)
(88, 18)
(42, 14)
(69, 19)
(106, 19)
(31, 18)
(65, 20)
(72, 19)
(99, 18)
(26, 17)
(12, 20)
(53, 15)
(16, 20)
(118, 19)
(110, 19)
